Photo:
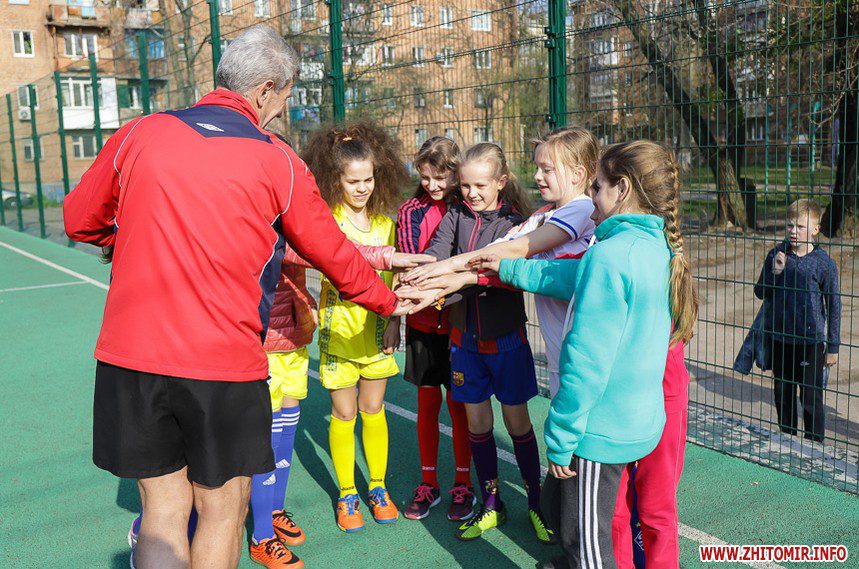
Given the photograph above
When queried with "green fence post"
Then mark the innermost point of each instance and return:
(37, 157)
(14, 163)
(335, 19)
(93, 74)
(215, 26)
(61, 131)
(143, 65)
(556, 43)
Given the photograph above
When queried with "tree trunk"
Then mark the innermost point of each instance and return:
(845, 192)
(735, 117)
(731, 210)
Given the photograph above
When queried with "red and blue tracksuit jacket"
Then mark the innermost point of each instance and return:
(199, 204)
(417, 222)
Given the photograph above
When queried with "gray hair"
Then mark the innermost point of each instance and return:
(257, 55)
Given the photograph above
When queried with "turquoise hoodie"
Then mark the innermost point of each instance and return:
(610, 406)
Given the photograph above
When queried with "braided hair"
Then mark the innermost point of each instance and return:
(654, 177)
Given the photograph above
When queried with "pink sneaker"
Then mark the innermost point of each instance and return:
(462, 504)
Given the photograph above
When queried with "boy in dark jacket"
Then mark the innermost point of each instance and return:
(801, 281)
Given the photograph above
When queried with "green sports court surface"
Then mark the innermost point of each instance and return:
(58, 510)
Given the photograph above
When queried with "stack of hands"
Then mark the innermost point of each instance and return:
(423, 281)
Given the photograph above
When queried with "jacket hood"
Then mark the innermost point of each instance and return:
(652, 224)
(231, 100)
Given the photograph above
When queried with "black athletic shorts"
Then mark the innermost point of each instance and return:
(147, 425)
(427, 358)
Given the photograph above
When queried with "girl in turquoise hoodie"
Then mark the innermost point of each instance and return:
(629, 287)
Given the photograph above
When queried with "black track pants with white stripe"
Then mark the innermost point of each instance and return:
(580, 510)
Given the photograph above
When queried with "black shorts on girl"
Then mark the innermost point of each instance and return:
(147, 425)
(503, 367)
(427, 358)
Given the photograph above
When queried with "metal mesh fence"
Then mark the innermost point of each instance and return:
(757, 99)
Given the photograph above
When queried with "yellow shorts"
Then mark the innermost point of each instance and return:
(338, 373)
(288, 375)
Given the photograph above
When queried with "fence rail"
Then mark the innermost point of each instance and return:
(758, 100)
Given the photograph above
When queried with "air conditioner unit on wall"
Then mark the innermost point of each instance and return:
(24, 113)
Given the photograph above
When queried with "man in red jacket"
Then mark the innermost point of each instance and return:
(198, 205)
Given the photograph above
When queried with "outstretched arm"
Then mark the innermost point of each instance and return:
(557, 278)
(543, 238)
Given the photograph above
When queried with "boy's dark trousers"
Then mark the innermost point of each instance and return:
(799, 365)
(580, 510)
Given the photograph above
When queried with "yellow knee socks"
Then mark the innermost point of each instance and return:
(374, 434)
(341, 440)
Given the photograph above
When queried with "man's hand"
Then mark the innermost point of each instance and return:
(484, 263)
(314, 314)
(424, 272)
(403, 261)
(561, 472)
(779, 262)
(391, 338)
(419, 298)
(831, 360)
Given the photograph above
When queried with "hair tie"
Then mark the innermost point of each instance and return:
(346, 139)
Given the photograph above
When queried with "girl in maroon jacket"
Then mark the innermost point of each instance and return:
(427, 339)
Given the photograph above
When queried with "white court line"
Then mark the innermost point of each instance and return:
(55, 266)
(685, 531)
(34, 287)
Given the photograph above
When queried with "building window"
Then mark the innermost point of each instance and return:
(417, 16)
(448, 98)
(308, 10)
(421, 136)
(22, 44)
(24, 96)
(447, 57)
(180, 48)
(81, 45)
(134, 96)
(225, 43)
(225, 6)
(481, 21)
(28, 150)
(154, 41)
(19, 1)
(483, 59)
(359, 55)
(388, 97)
(450, 133)
(83, 146)
(481, 99)
(420, 99)
(482, 134)
(387, 55)
(387, 15)
(262, 8)
(418, 55)
(445, 17)
(77, 93)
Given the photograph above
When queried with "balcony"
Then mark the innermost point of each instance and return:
(138, 18)
(77, 13)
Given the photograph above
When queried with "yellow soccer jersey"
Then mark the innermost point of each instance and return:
(347, 330)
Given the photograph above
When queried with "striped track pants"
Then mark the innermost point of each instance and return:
(580, 510)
